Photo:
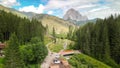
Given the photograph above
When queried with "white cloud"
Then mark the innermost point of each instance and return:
(98, 9)
(50, 12)
(64, 5)
(91, 8)
(9, 3)
(32, 8)
(28, 9)
(55, 4)
(40, 9)
(114, 4)
(103, 13)
(86, 6)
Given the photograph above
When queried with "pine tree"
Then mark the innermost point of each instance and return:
(54, 35)
(12, 54)
(70, 33)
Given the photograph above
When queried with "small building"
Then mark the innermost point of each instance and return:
(2, 46)
(66, 52)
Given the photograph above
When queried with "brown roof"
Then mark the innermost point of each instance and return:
(2, 45)
(65, 52)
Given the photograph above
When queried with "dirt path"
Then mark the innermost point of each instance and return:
(47, 61)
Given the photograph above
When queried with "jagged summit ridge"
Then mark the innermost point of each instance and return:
(72, 14)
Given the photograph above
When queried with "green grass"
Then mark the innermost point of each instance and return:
(71, 45)
(62, 36)
(56, 47)
(47, 40)
(1, 62)
(84, 61)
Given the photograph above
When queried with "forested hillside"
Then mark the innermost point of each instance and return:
(24, 40)
(23, 27)
(100, 40)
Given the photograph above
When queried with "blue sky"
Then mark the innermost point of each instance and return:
(90, 8)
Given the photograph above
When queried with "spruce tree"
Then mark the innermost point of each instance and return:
(12, 54)
(54, 35)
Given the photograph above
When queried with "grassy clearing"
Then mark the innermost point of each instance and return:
(1, 62)
(56, 47)
(59, 45)
(84, 61)
(47, 40)
(71, 45)
(61, 36)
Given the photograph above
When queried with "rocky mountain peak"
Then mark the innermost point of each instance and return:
(72, 14)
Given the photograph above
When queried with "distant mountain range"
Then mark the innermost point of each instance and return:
(12, 11)
(29, 14)
(75, 17)
(60, 25)
(71, 18)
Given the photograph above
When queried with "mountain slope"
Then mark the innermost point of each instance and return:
(84, 22)
(60, 25)
(29, 14)
(12, 11)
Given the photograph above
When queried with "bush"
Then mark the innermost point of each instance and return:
(34, 52)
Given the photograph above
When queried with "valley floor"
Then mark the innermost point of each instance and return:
(52, 55)
(73, 61)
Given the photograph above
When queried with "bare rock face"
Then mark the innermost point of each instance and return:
(72, 14)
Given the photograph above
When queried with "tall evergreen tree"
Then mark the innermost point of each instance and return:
(12, 54)
(54, 35)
